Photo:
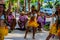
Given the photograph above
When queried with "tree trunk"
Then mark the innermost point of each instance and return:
(24, 5)
(9, 7)
(18, 5)
(29, 5)
(38, 5)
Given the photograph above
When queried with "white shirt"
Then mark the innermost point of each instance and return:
(34, 15)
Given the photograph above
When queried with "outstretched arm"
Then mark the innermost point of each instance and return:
(53, 15)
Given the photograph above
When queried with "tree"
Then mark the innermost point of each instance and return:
(38, 5)
(22, 2)
(40, 2)
(29, 5)
(24, 5)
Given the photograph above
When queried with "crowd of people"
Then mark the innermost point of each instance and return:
(34, 19)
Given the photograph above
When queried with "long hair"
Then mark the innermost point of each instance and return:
(3, 9)
(5, 20)
(57, 20)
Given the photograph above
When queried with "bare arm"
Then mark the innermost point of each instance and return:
(53, 15)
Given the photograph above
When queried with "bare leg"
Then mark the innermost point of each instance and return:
(39, 27)
(59, 38)
(13, 24)
(34, 30)
(49, 36)
(1, 37)
(19, 25)
(26, 32)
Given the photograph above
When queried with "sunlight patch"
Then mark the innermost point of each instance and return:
(8, 39)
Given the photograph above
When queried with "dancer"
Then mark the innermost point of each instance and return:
(3, 26)
(3, 29)
(32, 22)
(55, 29)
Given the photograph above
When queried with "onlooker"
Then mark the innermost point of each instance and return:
(22, 20)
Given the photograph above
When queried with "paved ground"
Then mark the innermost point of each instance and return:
(19, 35)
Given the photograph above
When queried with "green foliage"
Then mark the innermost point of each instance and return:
(50, 4)
(41, 1)
(57, 3)
(34, 1)
(14, 4)
(21, 2)
(46, 27)
(6, 4)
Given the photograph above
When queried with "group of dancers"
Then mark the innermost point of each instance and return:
(33, 19)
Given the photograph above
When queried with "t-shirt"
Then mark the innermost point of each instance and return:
(23, 18)
(40, 19)
(2, 17)
(10, 17)
(26, 17)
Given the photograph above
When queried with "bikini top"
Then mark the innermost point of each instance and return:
(35, 15)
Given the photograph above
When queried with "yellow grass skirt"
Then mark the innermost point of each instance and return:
(58, 33)
(4, 31)
(33, 23)
(54, 31)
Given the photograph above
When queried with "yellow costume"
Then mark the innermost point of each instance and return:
(32, 23)
(3, 32)
(58, 32)
(54, 31)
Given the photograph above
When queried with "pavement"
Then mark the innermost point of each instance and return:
(19, 35)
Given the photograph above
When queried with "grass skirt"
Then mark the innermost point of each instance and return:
(4, 31)
(54, 31)
(32, 23)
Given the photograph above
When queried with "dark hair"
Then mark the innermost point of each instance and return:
(3, 7)
(57, 20)
(56, 12)
(57, 23)
(33, 6)
(58, 5)
(5, 20)
(41, 12)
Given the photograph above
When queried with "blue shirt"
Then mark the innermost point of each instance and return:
(2, 17)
